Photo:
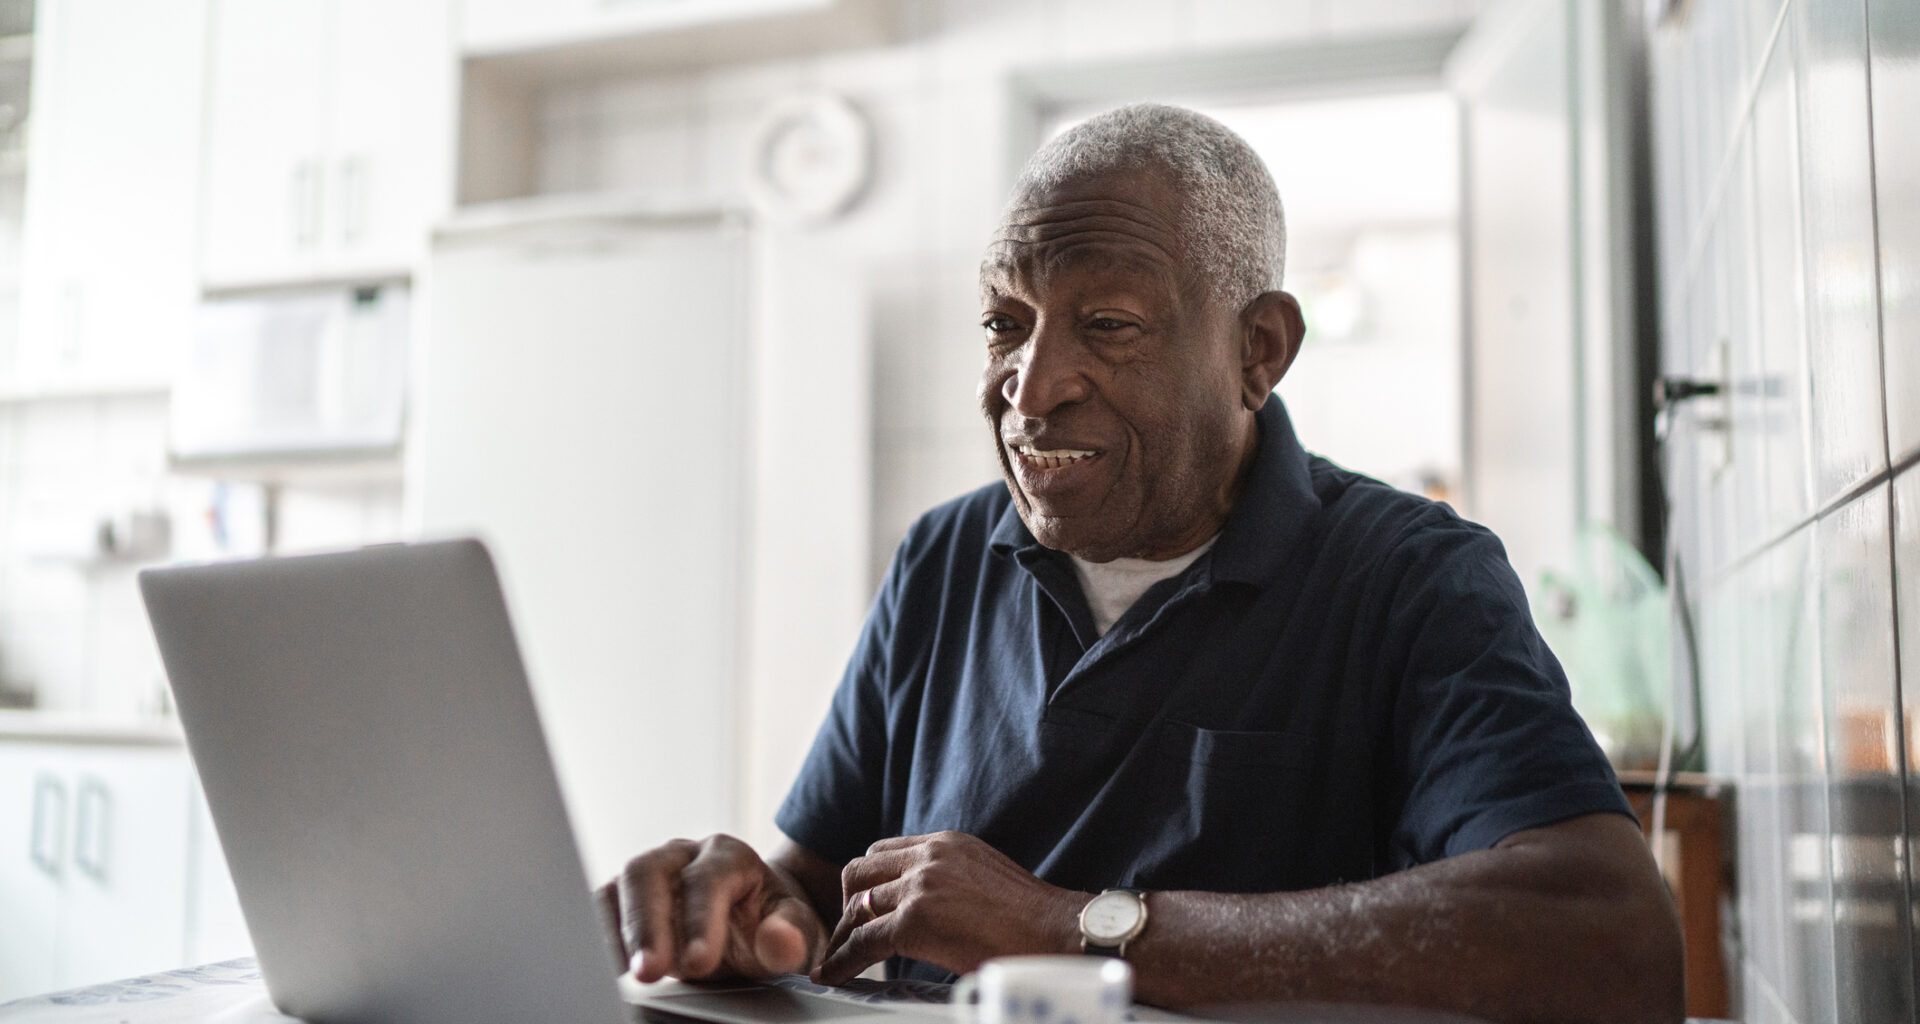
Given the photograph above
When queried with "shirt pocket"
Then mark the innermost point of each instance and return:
(1244, 809)
(1078, 733)
(1231, 750)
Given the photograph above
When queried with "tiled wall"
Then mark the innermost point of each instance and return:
(1787, 202)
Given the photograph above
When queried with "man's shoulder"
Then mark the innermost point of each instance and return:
(977, 512)
(1354, 496)
(1359, 511)
(962, 527)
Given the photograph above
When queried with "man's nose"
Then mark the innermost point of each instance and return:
(1052, 372)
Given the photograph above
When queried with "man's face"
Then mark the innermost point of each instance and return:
(1114, 376)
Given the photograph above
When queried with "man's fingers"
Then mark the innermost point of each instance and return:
(717, 879)
(700, 910)
(863, 873)
(647, 910)
(780, 943)
(798, 912)
(863, 946)
(606, 904)
(866, 905)
(895, 843)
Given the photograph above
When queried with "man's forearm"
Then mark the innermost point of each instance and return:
(1522, 932)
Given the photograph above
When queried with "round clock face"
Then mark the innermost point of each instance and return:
(809, 158)
(1112, 915)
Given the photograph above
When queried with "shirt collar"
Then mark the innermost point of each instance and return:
(1276, 504)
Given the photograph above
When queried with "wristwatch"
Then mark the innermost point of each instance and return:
(1111, 920)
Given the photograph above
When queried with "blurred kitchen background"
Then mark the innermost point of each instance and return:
(673, 301)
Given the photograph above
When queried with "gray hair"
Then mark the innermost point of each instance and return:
(1234, 226)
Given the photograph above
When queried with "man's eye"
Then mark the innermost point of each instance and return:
(1107, 323)
(998, 324)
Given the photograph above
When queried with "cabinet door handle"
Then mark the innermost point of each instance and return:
(297, 202)
(353, 198)
(49, 800)
(303, 201)
(73, 321)
(93, 819)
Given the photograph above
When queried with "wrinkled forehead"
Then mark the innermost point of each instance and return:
(1126, 224)
(1012, 266)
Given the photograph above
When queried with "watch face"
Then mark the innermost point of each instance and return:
(1111, 916)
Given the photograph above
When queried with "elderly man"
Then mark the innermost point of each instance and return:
(1181, 692)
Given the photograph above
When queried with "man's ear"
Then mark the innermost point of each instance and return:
(1271, 331)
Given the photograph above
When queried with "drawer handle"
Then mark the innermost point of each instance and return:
(303, 201)
(353, 199)
(49, 800)
(92, 832)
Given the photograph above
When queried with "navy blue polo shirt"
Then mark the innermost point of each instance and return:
(1347, 684)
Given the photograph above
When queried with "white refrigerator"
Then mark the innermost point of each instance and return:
(583, 404)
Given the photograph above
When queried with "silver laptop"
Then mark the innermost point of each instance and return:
(378, 777)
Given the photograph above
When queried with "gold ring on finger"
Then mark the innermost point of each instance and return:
(863, 907)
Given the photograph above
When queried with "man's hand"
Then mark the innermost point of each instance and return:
(714, 909)
(946, 899)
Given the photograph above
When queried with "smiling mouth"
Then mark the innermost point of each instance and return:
(1042, 458)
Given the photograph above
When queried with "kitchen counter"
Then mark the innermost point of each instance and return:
(234, 993)
(227, 992)
(77, 727)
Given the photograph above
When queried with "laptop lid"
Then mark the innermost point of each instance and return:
(383, 792)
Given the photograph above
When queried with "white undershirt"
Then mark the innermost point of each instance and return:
(1112, 587)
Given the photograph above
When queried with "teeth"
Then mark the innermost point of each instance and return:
(1051, 459)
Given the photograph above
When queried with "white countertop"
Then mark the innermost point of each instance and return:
(234, 993)
(79, 727)
(228, 992)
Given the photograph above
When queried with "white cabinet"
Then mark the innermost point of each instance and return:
(32, 798)
(216, 930)
(97, 889)
(329, 138)
(124, 908)
(265, 97)
(107, 281)
(391, 131)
